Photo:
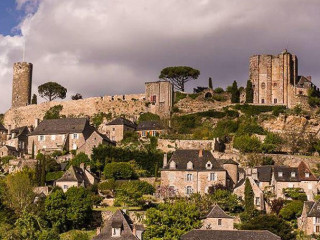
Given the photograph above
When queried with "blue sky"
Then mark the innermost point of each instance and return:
(9, 17)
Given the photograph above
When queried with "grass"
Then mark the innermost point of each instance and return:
(70, 235)
(114, 209)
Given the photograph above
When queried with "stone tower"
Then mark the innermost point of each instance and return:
(22, 82)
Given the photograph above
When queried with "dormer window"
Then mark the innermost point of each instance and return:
(293, 174)
(209, 165)
(173, 165)
(307, 174)
(189, 165)
(280, 174)
(116, 232)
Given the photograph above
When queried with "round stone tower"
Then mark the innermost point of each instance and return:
(232, 169)
(22, 82)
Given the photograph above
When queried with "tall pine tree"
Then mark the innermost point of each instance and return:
(235, 93)
(249, 92)
(248, 197)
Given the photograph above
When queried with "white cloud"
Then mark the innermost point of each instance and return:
(100, 47)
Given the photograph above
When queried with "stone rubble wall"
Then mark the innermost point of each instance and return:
(168, 145)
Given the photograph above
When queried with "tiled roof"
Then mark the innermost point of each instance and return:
(118, 220)
(217, 212)
(312, 208)
(229, 235)
(63, 126)
(227, 161)
(264, 173)
(149, 125)
(122, 121)
(20, 132)
(182, 157)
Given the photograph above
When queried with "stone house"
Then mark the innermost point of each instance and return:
(217, 219)
(116, 129)
(65, 134)
(229, 235)
(8, 151)
(120, 227)
(76, 177)
(150, 128)
(309, 221)
(3, 134)
(274, 180)
(18, 139)
(195, 171)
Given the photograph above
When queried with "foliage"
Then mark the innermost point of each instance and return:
(291, 210)
(235, 93)
(77, 96)
(253, 110)
(75, 235)
(272, 143)
(41, 169)
(179, 75)
(313, 97)
(53, 112)
(130, 137)
(34, 99)
(249, 92)
(6, 159)
(168, 221)
(267, 161)
(248, 197)
(52, 90)
(250, 126)
(80, 158)
(51, 176)
(226, 200)
(79, 210)
(295, 194)
(225, 128)
(144, 117)
(97, 118)
(218, 90)
(119, 170)
(276, 205)
(277, 110)
(246, 143)
(179, 96)
(272, 223)
(210, 83)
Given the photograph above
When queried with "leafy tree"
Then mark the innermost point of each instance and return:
(277, 205)
(249, 92)
(79, 210)
(144, 117)
(247, 144)
(267, 161)
(226, 200)
(248, 197)
(80, 158)
(34, 99)
(179, 75)
(119, 170)
(56, 210)
(41, 169)
(235, 93)
(272, 223)
(210, 83)
(53, 112)
(28, 226)
(52, 90)
(98, 118)
(219, 90)
(77, 96)
(225, 128)
(168, 221)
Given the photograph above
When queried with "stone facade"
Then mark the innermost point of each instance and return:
(217, 219)
(275, 80)
(309, 221)
(22, 82)
(8, 151)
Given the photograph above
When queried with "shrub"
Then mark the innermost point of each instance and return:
(246, 143)
(130, 137)
(53, 112)
(292, 210)
(219, 90)
(80, 158)
(194, 95)
(277, 110)
(175, 109)
(179, 96)
(250, 126)
(52, 176)
(97, 118)
(295, 194)
(253, 110)
(56, 154)
(267, 161)
(119, 170)
(6, 159)
(219, 98)
(225, 128)
(148, 117)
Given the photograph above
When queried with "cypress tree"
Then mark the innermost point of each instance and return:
(248, 197)
(249, 92)
(32, 153)
(235, 93)
(34, 99)
(210, 83)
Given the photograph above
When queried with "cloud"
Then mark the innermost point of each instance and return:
(101, 47)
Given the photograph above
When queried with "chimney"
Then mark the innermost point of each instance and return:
(82, 166)
(200, 153)
(36, 123)
(165, 160)
(9, 132)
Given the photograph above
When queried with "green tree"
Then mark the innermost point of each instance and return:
(249, 92)
(77, 96)
(29, 226)
(225, 199)
(52, 90)
(168, 221)
(210, 83)
(235, 93)
(80, 158)
(291, 210)
(247, 144)
(119, 170)
(248, 197)
(79, 210)
(32, 151)
(41, 169)
(56, 210)
(34, 99)
(144, 117)
(272, 223)
(179, 75)
(53, 112)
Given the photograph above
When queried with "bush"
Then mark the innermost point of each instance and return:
(250, 126)
(292, 210)
(225, 128)
(52, 176)
(53, 112)
(247, 144)
(253, 110)
(97, 118)
(6, 159)
(219, 90)
(119, 170)
(219, 98)
(277, 110)
(295, 194)
(148, 117)
(175, 109)
(179, 96)
(130, 137)
(80, 158)
(267, 161)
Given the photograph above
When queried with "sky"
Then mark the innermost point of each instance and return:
(107, 47)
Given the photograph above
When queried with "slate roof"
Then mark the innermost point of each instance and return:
(75, 174)
(312, 208)
(20, 132)
(182, 157)
(64, 126)
(10, 148)
(149, 125)
(229, 235)
(118, 220)
(227, 161)
(264, 173)
(122, 121)
(217, 212)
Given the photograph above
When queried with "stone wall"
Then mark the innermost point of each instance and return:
(168, 145)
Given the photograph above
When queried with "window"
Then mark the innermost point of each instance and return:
(262, 100)
(275, 100)
(65, 186)
(307, 174)
(116, 232)
(317, 220)
(317, 229)
(293, 174)
(274, 84)
(219, 222)
(258, 202)
(154, 133)
(189, 190)
(153, 98)
(53, 137)
(189, 165)
(280, 174)
(41, 138)
(209, 165)
(74, 146)
(75, 136)
(212, 177)
(113, 129)
(263, 85)
(143, 133)
(173, 165)
(189, 177)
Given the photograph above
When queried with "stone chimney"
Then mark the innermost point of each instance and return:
(82, 166)
(200, 153)
(165, 160)
(9, 132)
(36, 123)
